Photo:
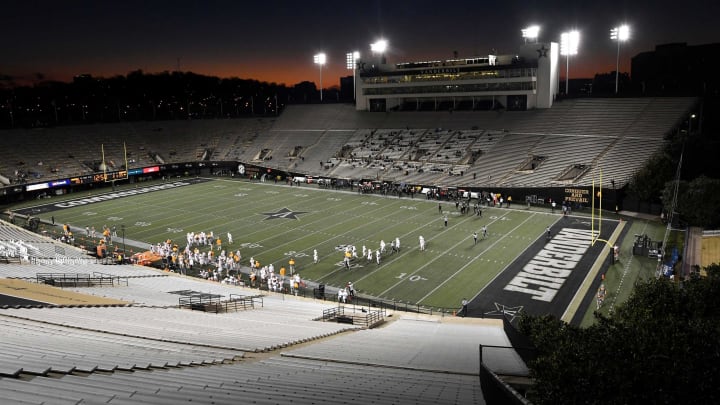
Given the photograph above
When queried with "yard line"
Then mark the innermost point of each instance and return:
(462, 241)
(412, 249)
(473, 259)
(400, 255)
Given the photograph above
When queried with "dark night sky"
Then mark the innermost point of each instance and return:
(275, 40)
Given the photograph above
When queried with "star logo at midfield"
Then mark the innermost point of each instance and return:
(542, 52)
(283, 213)
(501, 310)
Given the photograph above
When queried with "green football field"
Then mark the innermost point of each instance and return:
(273, 223)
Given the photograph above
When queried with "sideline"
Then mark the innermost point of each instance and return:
(572, 308)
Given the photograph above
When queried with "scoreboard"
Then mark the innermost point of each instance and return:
(110, 176)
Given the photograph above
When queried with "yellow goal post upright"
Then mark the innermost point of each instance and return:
(117, 175)
(595, 233)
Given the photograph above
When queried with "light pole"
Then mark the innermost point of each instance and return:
(532, 32)
(320, 61)
(351, 62)
(569, 42)
(620, 34)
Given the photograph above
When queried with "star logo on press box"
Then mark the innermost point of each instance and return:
(542, 52)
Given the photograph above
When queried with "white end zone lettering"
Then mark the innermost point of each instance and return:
(544, 275)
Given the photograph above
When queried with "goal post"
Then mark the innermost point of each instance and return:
(596, 193)
(114, 175)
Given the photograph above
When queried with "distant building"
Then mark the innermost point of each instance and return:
(346, 88)
(677, 70)
(527, 80)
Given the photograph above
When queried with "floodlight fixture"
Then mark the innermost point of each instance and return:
(320, 60)
(351, 59)
(619, 34)
(379, 46)
(532, 32)
(569, 42)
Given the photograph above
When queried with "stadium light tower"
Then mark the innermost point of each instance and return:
(379, 47)
(351, 59)
(320, 61)
(569, 42)
(532, 32)
(619, 34)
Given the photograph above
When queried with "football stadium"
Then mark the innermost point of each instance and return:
(331, 253)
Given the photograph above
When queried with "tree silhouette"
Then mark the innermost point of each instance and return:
(141, 96)
(660, 346)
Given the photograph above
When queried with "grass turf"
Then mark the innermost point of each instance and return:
(451, 267)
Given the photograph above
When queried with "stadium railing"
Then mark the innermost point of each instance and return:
(76, 279)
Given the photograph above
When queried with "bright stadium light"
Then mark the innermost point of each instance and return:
(379, 46)
(569, 42)
(351, 59)
(319, 60)
(532, 32)
(619, 34)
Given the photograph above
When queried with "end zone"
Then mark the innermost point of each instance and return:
(551, 275)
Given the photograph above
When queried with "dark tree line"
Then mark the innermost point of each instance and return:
(659, 347)
(696, 143)
(140, 96)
